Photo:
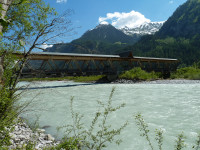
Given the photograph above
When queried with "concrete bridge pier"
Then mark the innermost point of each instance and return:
(112, 77)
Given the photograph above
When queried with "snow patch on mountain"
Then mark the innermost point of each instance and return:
(143, 29)
(146, 28)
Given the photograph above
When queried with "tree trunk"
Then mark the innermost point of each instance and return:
(5, 6)
(1, 70)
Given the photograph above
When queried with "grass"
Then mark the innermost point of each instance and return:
(75, 79)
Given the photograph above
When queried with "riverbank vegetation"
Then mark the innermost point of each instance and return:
(139, 74)
(73, 78)
(187, 73)
(192, 72)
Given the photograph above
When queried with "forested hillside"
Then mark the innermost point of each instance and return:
(104, 39)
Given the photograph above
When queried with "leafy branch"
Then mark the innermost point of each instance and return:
(100, 133)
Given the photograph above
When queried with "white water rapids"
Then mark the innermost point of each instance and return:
(175, 108)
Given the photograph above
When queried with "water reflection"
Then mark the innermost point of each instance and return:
(52, 87)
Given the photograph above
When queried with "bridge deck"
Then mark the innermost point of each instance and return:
(70, 56)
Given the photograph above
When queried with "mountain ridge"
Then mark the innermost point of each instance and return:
(184, 22)
(107, 33)
(103, 39)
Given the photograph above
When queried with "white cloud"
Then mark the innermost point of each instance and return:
(171, 2)
(61, 1)
(44, 46)
(120, 20)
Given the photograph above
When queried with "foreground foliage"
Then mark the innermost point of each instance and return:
(26, 27)
(8, 109)
(179, 142)
(98, 135)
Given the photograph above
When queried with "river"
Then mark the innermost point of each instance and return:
(175, 108)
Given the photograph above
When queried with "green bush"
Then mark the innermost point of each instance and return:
(139, 74)
(187, 73)
(69, 144)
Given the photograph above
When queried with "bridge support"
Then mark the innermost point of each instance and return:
(112, 77)
(166, 74)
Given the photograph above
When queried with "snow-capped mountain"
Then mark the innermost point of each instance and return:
(146, 28)
(109, 34)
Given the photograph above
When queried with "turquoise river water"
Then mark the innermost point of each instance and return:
(175, 108)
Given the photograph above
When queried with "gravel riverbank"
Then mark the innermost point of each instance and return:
(22, 135)
(176, 81)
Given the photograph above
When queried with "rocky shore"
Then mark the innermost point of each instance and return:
(22, 135)
(166, 81)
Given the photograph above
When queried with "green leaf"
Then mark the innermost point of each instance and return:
(3, 22)
(21, 42)
(1, 8)
(24, 1)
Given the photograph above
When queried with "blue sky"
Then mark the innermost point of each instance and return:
(89, 13)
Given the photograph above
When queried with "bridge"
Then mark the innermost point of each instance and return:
(42, 64)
